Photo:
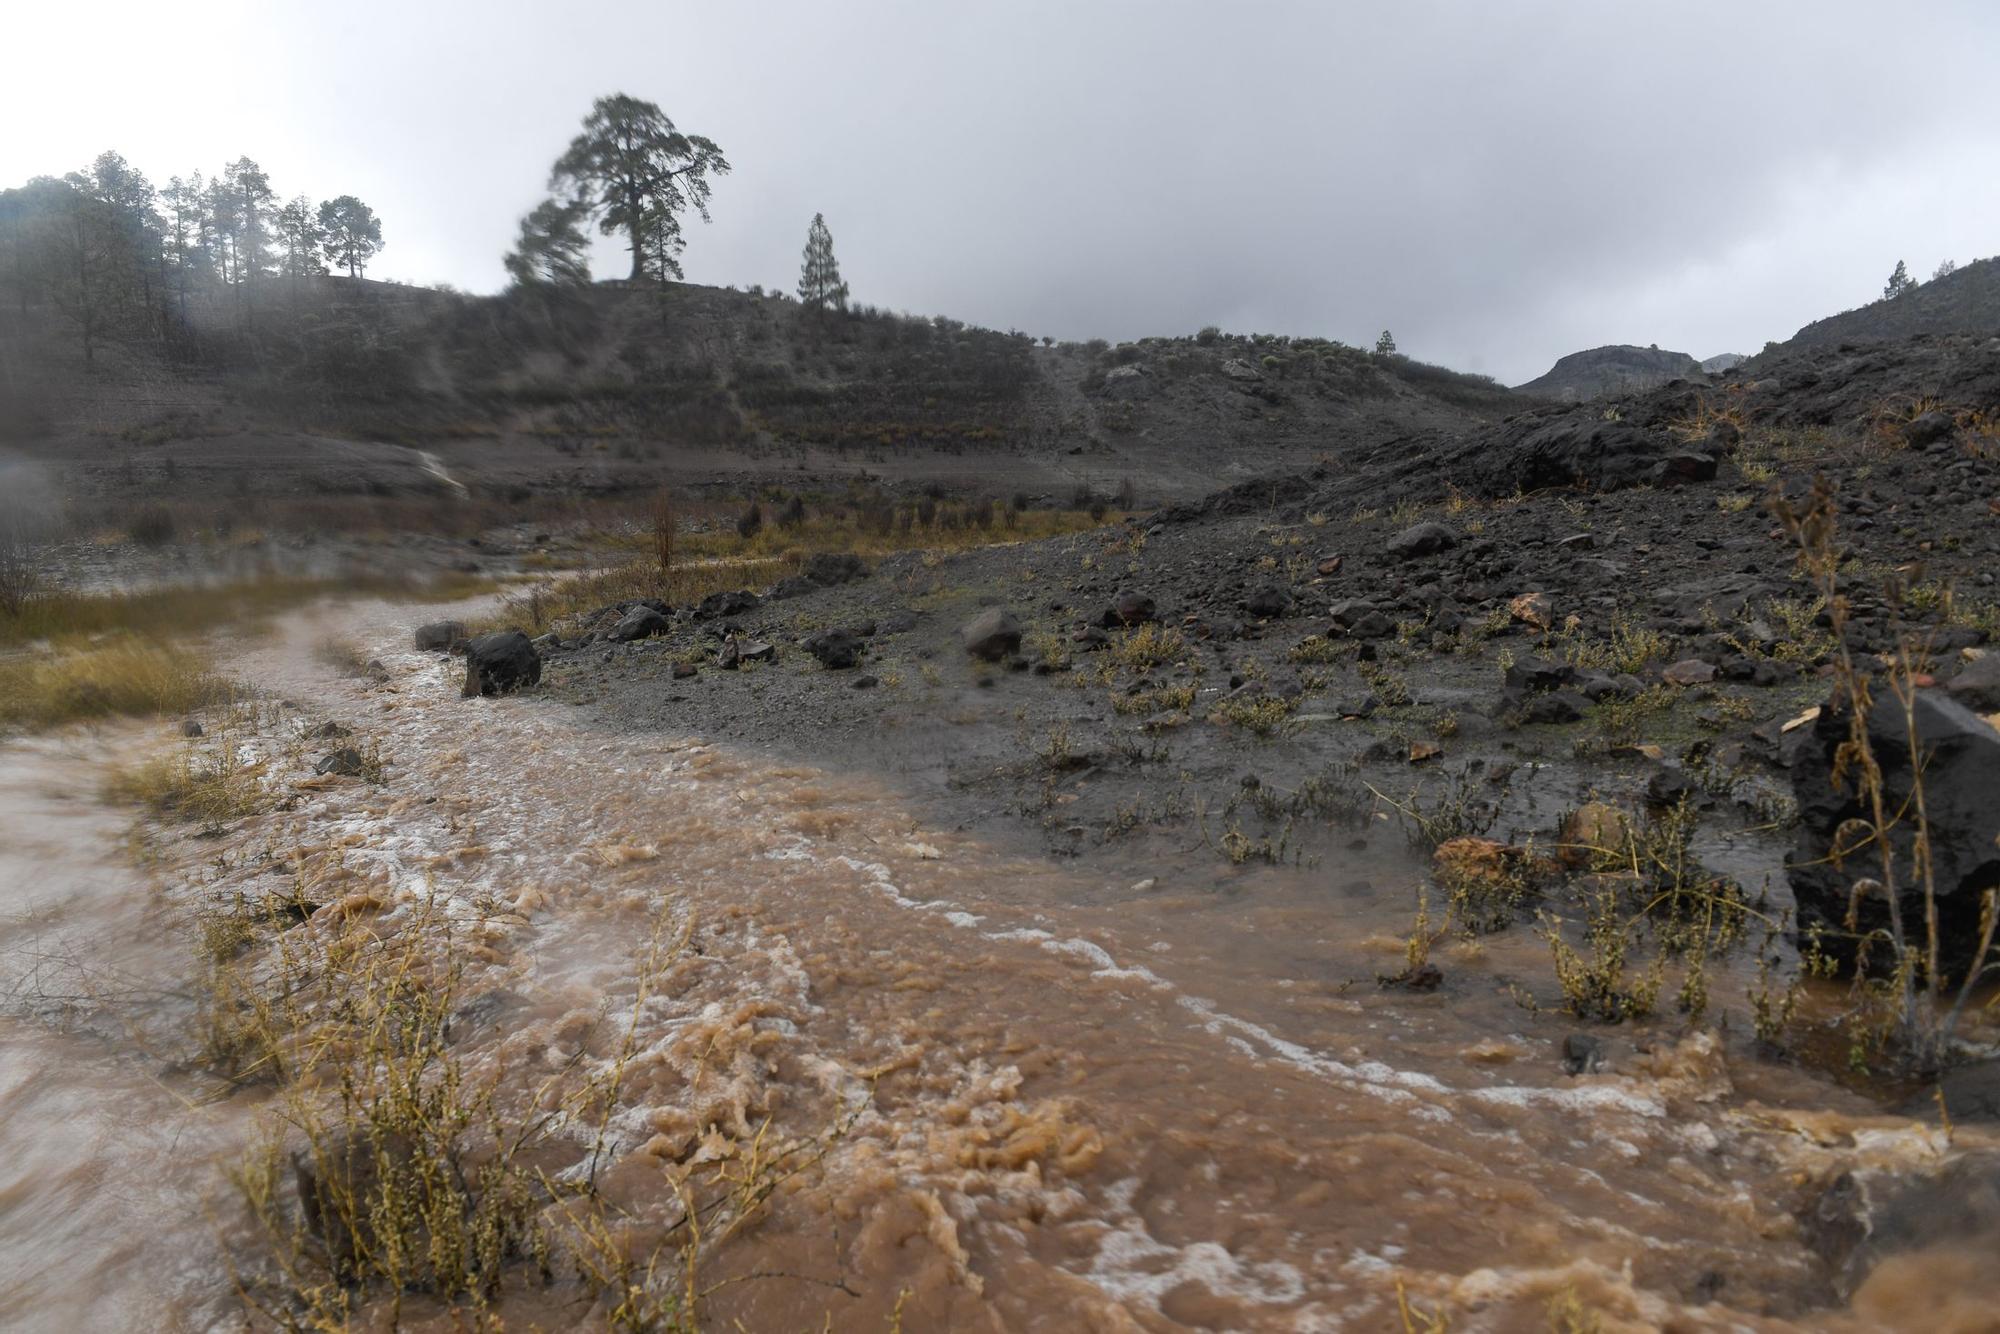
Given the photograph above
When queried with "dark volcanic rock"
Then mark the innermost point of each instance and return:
(1978, 686)
(498, 663)
(1424, 539)
(1863, 1218)
(1960, 777)
(1128, 608)
(1686, 467)
(734, 603)
(641, 622)
(992, 635)
(439, 635)
(835, 649)
(346, 762)
(1268, 602)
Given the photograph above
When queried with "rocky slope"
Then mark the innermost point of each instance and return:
(1965, 301)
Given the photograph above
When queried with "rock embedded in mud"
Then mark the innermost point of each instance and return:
(1961, 774)
(1592, 830)
(641, 622)
(439, 636)
(1583, 1054)
(991, 635)
(347, 762)
(499, 663)
(1863, 1217)
(1423, 539)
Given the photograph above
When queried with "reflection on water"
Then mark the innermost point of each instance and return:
(1065, 1101)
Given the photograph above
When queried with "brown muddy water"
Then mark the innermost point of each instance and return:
(1170, 1098)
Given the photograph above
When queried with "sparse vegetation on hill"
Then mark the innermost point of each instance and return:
(1959, 299)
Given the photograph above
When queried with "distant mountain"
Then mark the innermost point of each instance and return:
(1964, 301)
(1723, 361)
(1621, 368)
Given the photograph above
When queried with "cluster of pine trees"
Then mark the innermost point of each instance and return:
(118, 257)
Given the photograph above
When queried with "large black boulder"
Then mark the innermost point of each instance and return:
(1960, 760)
(501, 662)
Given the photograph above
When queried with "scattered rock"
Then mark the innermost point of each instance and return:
(1536, 609)
(1977, 686)
(991, 635)
(1688, 672)
(1583, 1054)
(1558, 706)
(1268, 603)
(1424, 539)
(190, 727)
(720, 605)
(498, 663)
(1328, 567)
(836, 650)
(439, 636)
(1685, 468)
(1929, 428)
(683, 671)
(1127, 609)
(1590, 830)
(642, 622)
(347, 762)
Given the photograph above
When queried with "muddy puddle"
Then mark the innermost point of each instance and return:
(1033, 1097)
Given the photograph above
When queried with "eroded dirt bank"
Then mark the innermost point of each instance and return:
(1003, 1092)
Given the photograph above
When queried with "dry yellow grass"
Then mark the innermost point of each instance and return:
(180, 611)
(124, 675)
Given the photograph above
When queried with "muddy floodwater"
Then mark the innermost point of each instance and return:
(1167, 1098)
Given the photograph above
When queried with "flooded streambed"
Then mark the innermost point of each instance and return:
(1039, 1099)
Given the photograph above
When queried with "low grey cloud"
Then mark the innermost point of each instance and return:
(1498, 183)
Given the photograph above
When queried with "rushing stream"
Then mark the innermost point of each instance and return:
(1052, 1100)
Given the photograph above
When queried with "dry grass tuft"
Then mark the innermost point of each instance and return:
(127, 675)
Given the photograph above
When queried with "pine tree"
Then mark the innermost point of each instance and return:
(819, 275)
(1899, 282)
(1944, 269)
(1386, 344)
(350, 233)
(636, 173)
(300, 237)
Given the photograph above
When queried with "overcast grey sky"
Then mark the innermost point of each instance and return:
(1499, 183)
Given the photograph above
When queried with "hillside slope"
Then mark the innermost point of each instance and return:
(1620, 368)
(614, 388)
(1965, 301)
